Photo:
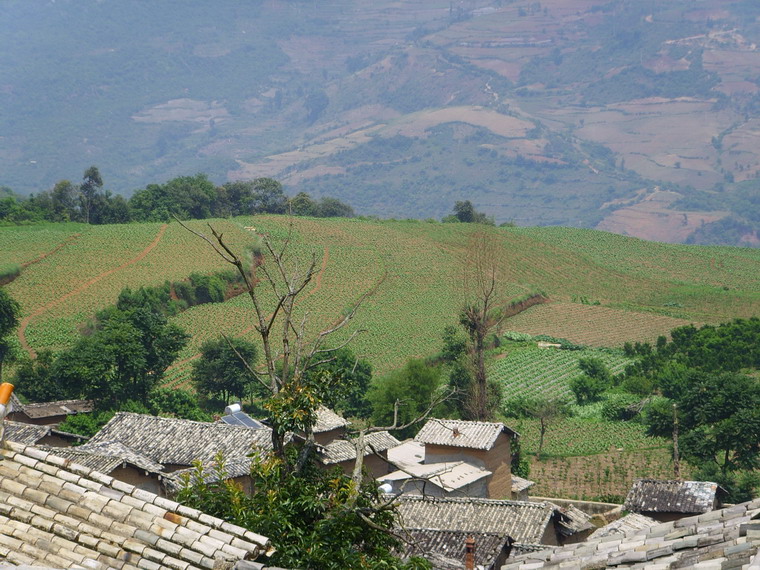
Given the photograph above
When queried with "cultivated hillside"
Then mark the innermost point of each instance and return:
(634, 117)
(603, 289)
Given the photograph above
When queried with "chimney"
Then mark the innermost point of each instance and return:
(469, 553)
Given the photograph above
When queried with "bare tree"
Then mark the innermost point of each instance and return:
(483, 282)
(288, 350)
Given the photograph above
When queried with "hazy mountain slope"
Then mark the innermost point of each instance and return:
(557, 112)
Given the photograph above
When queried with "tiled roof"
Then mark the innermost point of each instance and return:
(172, 441)
(14, 405)
(105, 456)
(328, 420)
(339, 450)
(448, 476)
(233, 468)
(58, 408)
(650, 495)
(725, 538)
(630, 523)
(407, 453)
(58, 514)
(29, 434)
(524, 521)
(445, 549)
(520, 484)
(460, 433)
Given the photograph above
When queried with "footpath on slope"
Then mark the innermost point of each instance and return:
(28, 319)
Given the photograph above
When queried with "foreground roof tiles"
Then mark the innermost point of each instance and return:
(725, 538)
(58, 514)
(691, 497)
(460, 433)
(172, 441)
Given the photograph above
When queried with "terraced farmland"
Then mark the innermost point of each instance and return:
(535, 372)
(410, 269)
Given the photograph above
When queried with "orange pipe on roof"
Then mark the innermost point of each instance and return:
(6, 389)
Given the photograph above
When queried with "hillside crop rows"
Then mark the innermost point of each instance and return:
(409, 270)
(593, 325)
(23, 245)
(578, 436)
(530, 372)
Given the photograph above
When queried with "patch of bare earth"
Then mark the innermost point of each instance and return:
(592, 325)
(593, 476)
(652, 219)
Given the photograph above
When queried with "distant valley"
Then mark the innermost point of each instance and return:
(636, 118)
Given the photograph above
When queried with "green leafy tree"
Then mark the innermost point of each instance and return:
(413, 387)
(309, 518)
(355, 376)
(718, 418)
(596, 378)
(546, 410)
(91, 183)
(124, 358)
(10, 313)
(224, 370)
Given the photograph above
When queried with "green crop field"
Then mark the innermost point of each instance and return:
(532, 371)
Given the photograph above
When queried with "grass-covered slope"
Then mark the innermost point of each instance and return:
(411, 271)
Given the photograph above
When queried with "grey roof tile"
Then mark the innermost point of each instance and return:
(650, 495)
(95, 525)
(339, 450)
(524, 521)
(461, 433)
(722, 542)
(172, 441)
(327, 420)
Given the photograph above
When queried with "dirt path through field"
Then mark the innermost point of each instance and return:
(60, 246)
(25, 322)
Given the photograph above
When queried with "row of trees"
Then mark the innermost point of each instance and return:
(187, 197)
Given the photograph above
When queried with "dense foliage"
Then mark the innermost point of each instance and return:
(10, 312)
(187, 197)
(709, 400)
(314, 520)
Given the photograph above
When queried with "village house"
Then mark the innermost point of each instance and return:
(529, 525)
(449, 479)
(725, 538)
(175, 444)
(329, 426)
(671, 500)
(485, 445)
(447, 549)
(46, 413)
(342, 453)
(55, 513)
(33, 434)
